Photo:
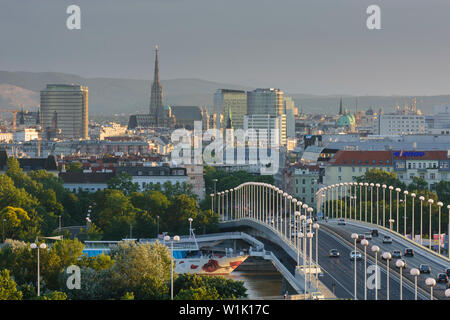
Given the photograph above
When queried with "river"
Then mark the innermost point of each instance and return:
(259, 284)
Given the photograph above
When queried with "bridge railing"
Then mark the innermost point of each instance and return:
(404, 213)
(290, 219)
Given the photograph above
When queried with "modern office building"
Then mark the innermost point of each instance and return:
(275, 127)
(233, 102)
(399, 124)
(64, 111)
(291, 111)
(439, 122)
(265, 101)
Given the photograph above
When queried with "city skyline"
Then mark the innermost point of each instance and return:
(301, 47)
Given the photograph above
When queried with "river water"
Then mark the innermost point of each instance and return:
(259, 284)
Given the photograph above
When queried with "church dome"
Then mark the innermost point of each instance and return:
(347, 120)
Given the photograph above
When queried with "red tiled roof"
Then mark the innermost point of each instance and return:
(369, 158)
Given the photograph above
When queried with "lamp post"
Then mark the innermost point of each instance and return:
(294, 201)
(384, 204)
(190, 226)
(378, 207)
(365, 243)
(421, 198)
(400, 264)
(175, 238)
(227, 207)
(376, 249)
(415, 273)
(297, 232)
(387, 256)
(447, 293)
(212, 201)
(365, 200)
(40, 246)
(355, 237)
(390, 204)
(404, 216)
(431, 283)
(430, 201)
(310, 235)
(360, 200)
(413, 196)
(391, 223)
(439, 204)
(316, 227)
(398, 202)
(371, 202)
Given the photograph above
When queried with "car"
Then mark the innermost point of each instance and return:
(408, 252)
(374, 233)
(368, 235)
(341, 222)
(396, 254)
(354, 255)
(404, 263)
(447, 272)
(360, 237)
(442, 277)
(387, 239)
(333, 253)
(424, 268)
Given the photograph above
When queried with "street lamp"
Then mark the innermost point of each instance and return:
(439, 204)
(430, 201)
(316, 227)
(376, 249)
(400, 264)
(390, 203)
(413, 196)
(431, 283)
(36, 246)
(404, 217)
(212, 201)
(384, 204)
(421, 198)
(365, 199)
(391, 223)
(398, 202)
(371, 202)
(190, 225)
(387, 256)
(310, 235)
(415, 273)
(166, 239)
(447, 293)
(365, 243)
(355, 237)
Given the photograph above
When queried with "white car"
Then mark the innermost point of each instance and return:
(356, 255)
(387, 239)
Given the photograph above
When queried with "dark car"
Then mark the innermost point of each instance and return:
(396, 254)
(424, 268)
(387, 239)
(374, 233)
(333, 253)
(447, 272)
(442, 278)
(409, 252)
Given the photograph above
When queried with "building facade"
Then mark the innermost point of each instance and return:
(399, 124)
(265, 101)
(64, 111)
(233, 102)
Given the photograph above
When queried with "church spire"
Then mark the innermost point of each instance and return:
(341, 111)
(156, 98)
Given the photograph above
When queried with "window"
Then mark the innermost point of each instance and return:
(339, 178)
(353, 169)
(432, 176)
(303, 181)
(304, 190)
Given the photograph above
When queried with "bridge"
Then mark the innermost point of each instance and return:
(345, 217)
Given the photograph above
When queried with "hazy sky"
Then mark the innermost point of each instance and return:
(300, 46)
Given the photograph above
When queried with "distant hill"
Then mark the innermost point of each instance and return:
(109, 96)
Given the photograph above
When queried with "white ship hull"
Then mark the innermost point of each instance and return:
(209, 266)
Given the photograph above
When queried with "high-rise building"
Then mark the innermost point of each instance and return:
(291, 111)
(156, 97)
(274, 126)
(265, 101)
(64, 109)
(234, 102)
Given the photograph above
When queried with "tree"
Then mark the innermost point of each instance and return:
(176, 217)
(142, 268)
(123, 181)
(201, 293)
(418, 184)
(8, 289)
(16, 222)
(443, 191)
(74, 167)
